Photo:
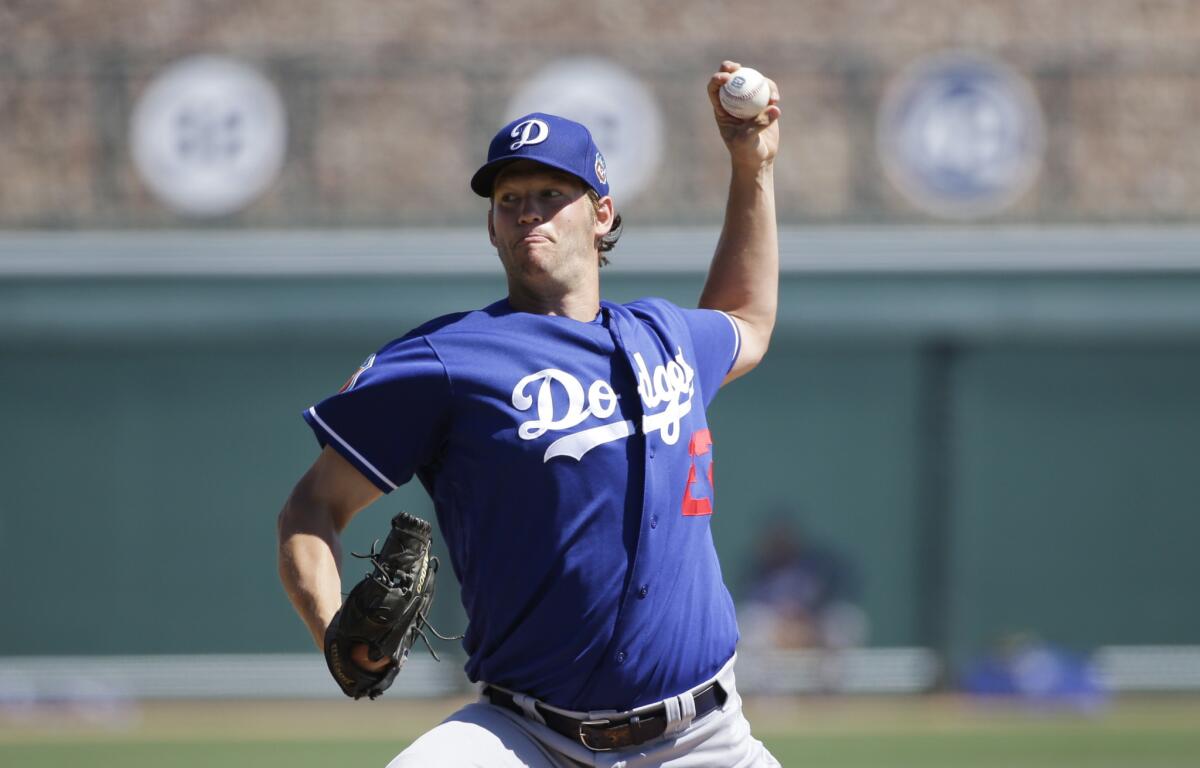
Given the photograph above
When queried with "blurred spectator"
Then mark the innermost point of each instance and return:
(801, 593)
(1025, 668)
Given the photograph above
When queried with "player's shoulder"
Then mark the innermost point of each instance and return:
(437, 325)
(654, 308)
(670, 319)
(663, 310)
(662, 314)
(449, 325)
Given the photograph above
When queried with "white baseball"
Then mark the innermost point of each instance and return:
(746, 94)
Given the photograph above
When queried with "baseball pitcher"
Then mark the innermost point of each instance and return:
(564, 442)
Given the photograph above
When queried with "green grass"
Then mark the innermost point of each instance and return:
(204, 754)
(1070, 749)
(962, 750)
(830, 733)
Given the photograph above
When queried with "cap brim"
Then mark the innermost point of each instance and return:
(485, 177)
(481, 182)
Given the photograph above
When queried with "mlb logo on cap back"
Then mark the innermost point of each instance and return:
(547, 139)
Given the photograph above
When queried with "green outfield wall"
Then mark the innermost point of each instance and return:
(997, 453)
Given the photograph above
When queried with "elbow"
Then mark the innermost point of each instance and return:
(756, 356)
(294, 512)
(302, 513)
(287, 523)
(285, 520)
(757, 340)
(751, 357)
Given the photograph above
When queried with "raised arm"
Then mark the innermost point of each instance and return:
(743, 279)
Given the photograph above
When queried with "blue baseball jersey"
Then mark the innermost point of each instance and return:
(570, 465)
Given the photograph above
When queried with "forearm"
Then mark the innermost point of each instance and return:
(309, 565)
(743, 279)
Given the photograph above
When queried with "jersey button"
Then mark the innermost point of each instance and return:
(620, 657)
(653, 521)
(643, 591)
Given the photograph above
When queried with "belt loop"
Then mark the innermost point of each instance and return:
(681, 710)
(672, 711)
(528, 705)
(727, 677)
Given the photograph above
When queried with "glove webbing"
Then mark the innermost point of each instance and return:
(404, 579)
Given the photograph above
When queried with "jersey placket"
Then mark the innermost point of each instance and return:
(634, 611)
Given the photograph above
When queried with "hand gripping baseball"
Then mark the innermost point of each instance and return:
(753, 140)
(386, 611)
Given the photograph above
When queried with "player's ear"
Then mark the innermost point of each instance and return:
(491, 227)
(605, 214)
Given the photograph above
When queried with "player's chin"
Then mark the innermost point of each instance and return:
(535, 247)
(537, 255)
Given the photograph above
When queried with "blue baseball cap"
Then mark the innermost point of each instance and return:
(547, 139)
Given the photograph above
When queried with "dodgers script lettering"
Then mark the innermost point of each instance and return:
(560, 404)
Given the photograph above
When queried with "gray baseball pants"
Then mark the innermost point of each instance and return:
(481, 734)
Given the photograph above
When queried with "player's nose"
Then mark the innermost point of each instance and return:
(529, 216)
(529, 213)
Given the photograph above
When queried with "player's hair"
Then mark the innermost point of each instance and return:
(609, 241)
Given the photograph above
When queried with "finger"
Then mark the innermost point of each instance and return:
(730, 66)
(760, 122)
(757, 123)
(774, 92)
(714, 91)
(360, 654)
(716, 81)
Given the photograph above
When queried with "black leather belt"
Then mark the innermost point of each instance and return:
(613, 733)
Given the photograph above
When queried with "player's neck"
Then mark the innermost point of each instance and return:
(581, 304)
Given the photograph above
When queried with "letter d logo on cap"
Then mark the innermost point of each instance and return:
(530, 132)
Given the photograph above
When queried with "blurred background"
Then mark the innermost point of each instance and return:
(965, 473)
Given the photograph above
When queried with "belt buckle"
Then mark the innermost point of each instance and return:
(583, 739)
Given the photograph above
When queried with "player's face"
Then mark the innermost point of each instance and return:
(544, 227)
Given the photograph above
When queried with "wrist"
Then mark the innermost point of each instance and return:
(753, 167)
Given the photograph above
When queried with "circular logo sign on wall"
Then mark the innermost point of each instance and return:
(616, 107)
(208, 136)
(961, 135)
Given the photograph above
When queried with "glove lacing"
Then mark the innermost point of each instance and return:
(400, 575)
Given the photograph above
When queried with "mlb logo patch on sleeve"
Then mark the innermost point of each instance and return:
(350, 382)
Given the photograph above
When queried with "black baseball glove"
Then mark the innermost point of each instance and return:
(386, 611)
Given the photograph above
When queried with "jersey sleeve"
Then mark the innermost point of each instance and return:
(390, 417)
(716, 340)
